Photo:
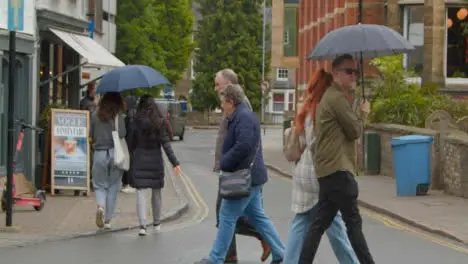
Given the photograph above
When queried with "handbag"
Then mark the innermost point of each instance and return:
(121, 155)
(237, 184)
(292, 148)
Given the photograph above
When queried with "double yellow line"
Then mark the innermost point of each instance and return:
(201, 208)
(395, 225)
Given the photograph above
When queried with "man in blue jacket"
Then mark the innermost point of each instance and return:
(241, 145)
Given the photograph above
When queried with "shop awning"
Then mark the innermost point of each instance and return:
(89, 49)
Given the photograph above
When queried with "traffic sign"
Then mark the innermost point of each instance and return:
(15, 15)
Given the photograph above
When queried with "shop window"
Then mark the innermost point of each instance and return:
(282, 74)
(278, 102)
(457, 42)
(413, 21)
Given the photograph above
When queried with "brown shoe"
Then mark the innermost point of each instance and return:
(266, 251)
(231, 260)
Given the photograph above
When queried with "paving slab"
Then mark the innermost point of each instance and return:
(67, 216)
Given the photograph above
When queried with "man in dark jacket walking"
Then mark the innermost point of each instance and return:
(241, 146)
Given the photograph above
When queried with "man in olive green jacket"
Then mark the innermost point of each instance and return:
(337, 127)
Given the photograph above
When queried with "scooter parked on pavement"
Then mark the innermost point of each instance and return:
(39, 198)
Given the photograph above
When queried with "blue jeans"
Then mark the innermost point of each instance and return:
(336, 234)
(106, 181)
(251, 207)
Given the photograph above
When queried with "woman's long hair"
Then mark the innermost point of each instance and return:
(319, 83)
(110, 106)
(150, 117)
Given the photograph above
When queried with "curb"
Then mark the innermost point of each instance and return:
(167, 217)
(217, 127)
(386, 212)
(204, 127)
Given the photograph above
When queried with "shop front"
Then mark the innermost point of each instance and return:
(65, 49)
(24, 97)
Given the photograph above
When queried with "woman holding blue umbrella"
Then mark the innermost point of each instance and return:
(106, 176)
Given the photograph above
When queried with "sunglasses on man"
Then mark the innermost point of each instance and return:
(349, 71)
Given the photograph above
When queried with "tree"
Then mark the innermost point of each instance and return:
(157, 33)
(229, 36)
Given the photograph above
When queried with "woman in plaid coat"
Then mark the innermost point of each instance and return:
(305, 185)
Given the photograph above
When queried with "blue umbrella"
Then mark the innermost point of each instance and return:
(130, 77)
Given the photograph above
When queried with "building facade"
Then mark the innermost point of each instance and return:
(101, 16)
(284, 59)
(25, 87)
(441, 42)
(318, 17)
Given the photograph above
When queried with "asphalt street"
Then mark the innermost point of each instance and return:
(190, 238)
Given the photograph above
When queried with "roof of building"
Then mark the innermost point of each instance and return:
(291, 1)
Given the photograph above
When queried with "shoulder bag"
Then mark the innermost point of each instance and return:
(237, 184)
(121, 155)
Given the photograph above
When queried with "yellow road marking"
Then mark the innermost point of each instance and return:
(395, 225)
(202, 208)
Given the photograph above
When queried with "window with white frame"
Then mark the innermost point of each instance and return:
(413, 30)
(282, 74)
(286, 36)
(278, 102)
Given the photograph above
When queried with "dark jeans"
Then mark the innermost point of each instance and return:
(338, 191)
(243, 227)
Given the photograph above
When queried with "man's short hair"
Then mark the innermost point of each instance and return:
(338, 61)
(229, 75)
(234, 93)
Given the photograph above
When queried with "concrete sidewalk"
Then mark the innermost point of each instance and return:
(436, 212)
(66, 216)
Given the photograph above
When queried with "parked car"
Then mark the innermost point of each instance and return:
(176, 116)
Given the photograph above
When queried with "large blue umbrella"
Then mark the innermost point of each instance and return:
(130, 77)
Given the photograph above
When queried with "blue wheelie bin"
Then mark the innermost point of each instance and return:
(412, 164)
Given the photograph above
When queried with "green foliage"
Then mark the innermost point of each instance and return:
(229, 36)
(157, 33)
(397, 102)
(44, 119)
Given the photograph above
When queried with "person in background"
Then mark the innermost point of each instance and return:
(147, 135)
(106, 177)
(222, 79)
(89, 101)
(131, 108)
(305, 187)
(337, 127)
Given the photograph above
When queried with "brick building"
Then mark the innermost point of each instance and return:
(318, 17)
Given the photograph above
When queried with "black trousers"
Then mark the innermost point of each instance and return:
(338, 191)
(243, 227)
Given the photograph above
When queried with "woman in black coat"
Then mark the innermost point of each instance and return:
(148, 134)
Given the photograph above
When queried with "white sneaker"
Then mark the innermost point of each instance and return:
(157, 227)
(142, 231)
(128, 189)
(107, 226)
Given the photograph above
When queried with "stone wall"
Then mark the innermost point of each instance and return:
(449, 156)
(455, 166)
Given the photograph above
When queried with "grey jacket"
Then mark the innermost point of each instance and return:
(101, 132)
(221, 135)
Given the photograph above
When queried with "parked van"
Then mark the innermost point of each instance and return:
(176, 116)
